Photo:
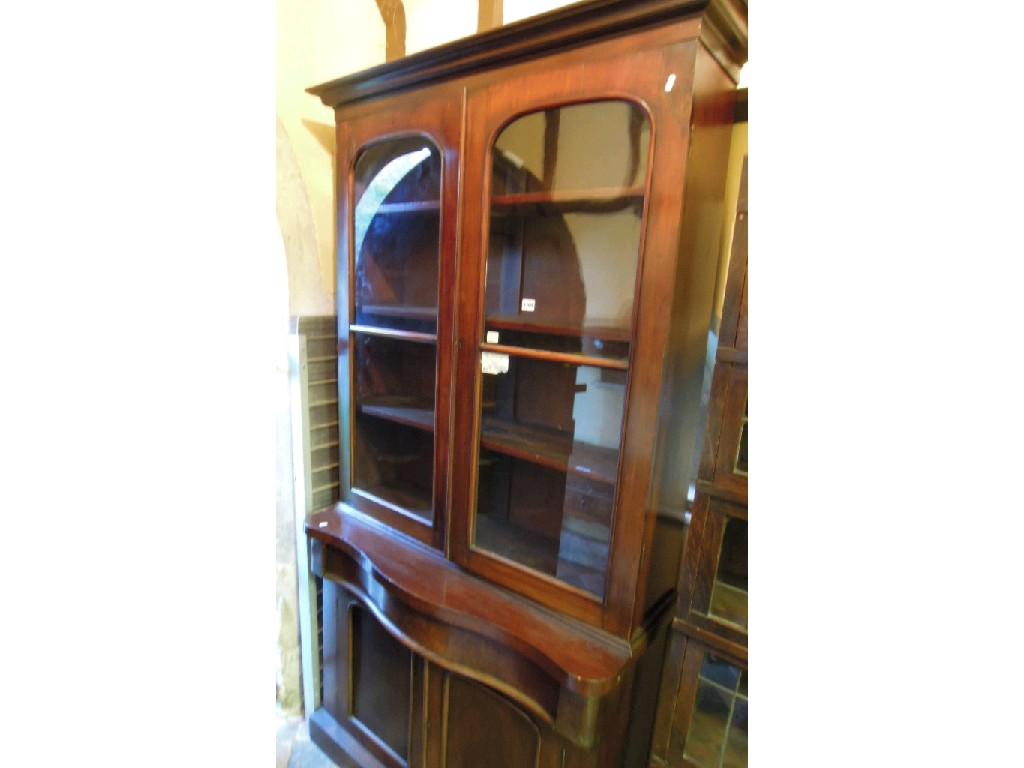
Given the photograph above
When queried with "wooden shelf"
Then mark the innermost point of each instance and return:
(403, 311)
(538, 552)
(411, 416)
(604, 198)
(513, 323)
(413, 206)
(549, 449)
(539, 446)
(402, 495)
(521, 546)
(394, 333)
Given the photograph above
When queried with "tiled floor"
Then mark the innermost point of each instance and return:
(294, 749)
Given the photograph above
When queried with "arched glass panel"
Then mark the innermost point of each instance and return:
(396, 231)
(395, 234)
(566, 208)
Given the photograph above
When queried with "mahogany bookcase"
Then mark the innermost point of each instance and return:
(528, 230)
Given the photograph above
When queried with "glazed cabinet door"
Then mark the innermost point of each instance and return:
(571, 206)
(709, 719)
(397, 192)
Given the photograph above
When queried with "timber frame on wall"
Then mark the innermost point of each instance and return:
(436, 651)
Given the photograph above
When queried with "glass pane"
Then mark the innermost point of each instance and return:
(594, 145)
(715, 670)
(393, 447)
(549, 451)
(396, 234)
(736, 744)
(708, 725)
(718, 726)
(565, 228)
(729, 593)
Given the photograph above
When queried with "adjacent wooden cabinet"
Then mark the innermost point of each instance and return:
(703, 702)
(528, 231)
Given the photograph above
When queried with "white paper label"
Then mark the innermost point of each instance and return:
(492, 337)
(528, 305)
(493, 363)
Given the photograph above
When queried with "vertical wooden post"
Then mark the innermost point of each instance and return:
(393, 14)
(489, 15)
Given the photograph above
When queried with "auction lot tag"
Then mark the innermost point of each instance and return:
(493, 362)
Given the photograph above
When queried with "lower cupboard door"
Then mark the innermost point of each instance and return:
(370, 682)
(480, 727)
(484, 728)
(395, 709)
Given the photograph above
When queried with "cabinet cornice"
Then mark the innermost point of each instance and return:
(725, 23)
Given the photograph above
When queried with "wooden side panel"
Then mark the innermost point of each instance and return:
(671, 672)
(687, 713)
(681, 418)
(734, 311)
(645, 700)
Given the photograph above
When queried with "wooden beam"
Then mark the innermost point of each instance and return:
(489, 16)
(393, 14)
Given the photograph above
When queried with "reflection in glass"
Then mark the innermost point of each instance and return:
(590, 146)
(717, 737)
(736, 745)
(741, 451)
(708, 725)
(549, 449)
(720, 672)
(396, 231)
(566, 208)
(729, 592)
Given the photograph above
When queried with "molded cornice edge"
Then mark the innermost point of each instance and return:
(573, 25)
(725, 35)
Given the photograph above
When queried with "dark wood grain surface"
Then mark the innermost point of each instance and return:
(579, 657)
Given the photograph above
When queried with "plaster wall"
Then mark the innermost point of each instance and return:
(320, 40)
